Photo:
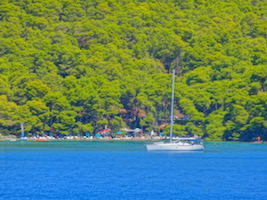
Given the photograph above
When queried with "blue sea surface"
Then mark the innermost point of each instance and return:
(70, 170)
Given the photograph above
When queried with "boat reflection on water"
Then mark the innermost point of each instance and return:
(176, 152)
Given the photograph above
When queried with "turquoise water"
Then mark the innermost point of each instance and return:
(125, 170)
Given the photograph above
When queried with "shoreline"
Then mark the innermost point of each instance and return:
(83, 139)
(106, 139)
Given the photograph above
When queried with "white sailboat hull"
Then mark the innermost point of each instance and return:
(174, 147)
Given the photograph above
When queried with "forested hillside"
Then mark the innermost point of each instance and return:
(75, 66)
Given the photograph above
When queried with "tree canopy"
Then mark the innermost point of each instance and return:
(77, 66)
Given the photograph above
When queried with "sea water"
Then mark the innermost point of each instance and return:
(70, 170)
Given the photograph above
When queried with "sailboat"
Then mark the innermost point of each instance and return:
(179, 144)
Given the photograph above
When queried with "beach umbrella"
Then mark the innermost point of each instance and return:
(88, 134)
(105, 130)
(119, 133)
(98, 135)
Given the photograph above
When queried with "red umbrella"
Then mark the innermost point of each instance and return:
(105, 130)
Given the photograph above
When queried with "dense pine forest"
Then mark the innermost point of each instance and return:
(77, 66)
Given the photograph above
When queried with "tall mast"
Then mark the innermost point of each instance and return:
(173, 77)
(22, 129)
